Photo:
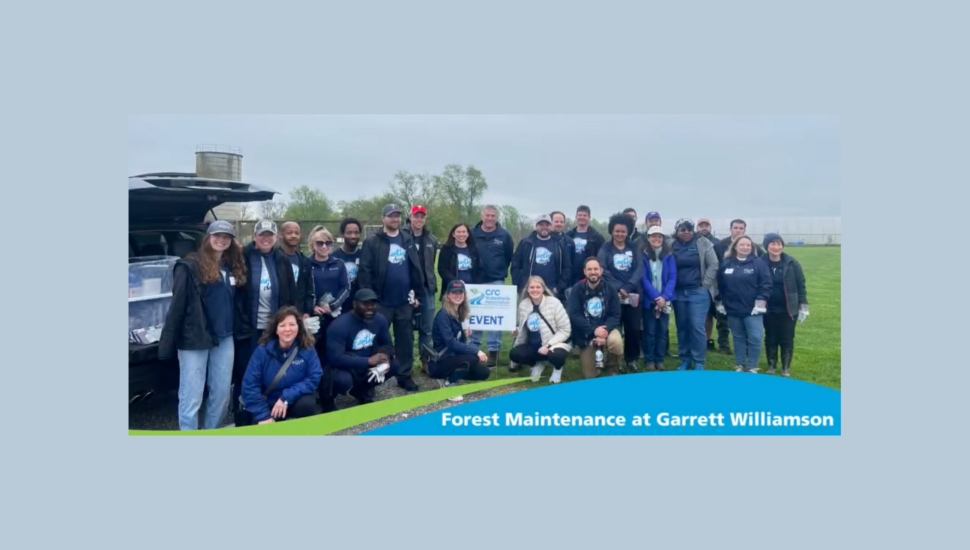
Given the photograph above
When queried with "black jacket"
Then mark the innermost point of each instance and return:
(304, 285)
(525, 256)
(243, 322)
(186, 325)
(582, 328)
(593, 243)
(373, 262)
(428, 254)
(448, 265)
(794, 279)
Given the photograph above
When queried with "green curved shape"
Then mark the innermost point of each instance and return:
(323, 424)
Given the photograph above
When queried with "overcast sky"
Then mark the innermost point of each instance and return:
(695, 166)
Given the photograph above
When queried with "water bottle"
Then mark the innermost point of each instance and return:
(599, 358)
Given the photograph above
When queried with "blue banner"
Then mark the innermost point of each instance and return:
(665, 403)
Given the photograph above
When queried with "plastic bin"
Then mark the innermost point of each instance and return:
(149, 293)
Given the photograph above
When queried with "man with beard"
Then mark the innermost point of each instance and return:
(302, 271)
(541, 255)
(586, 243)
(558, 233)
(704, 230)
(359, 350)
(391, 266)
(594, 314)
(349, 253)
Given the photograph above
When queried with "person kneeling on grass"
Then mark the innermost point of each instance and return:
(360, 349)
(545, 331)
(281, 379)
(594, 316)
(453, 358)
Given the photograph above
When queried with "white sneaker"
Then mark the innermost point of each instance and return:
(556, 376)
(456, 399)
(446, 384)
(738, 368)
(537, 371)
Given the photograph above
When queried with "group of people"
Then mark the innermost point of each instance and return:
(290, 332)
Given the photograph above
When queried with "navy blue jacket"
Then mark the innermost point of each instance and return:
(631, 281)
(668, 278)
(495, 250)
(301, 378)
(330, 276)
(448, 338)
(525, 256)
(285, 292)
(740, 283)
(351, 341)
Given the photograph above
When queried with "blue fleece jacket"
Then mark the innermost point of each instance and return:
(740, 283)
(495, 249)
(330, 276)
(301, 378)
(668, 278)
(448, 338)
(351, 341)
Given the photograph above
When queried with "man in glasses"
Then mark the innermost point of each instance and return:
(391, 266)
(349, 253)
(302, 275)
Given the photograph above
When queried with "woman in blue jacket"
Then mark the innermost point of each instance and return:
(744, 286)
(659, 278)
(331, 288)
(454, 358)
(622, 271)
(270, 396)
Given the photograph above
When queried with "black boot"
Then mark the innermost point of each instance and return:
(492, 359)
(786, 361)
(772, 354)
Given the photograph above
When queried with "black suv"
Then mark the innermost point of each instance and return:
(167, 217)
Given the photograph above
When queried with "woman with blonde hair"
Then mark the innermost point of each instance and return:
(744, 287)
(545, 331)
(453, 358)
(331, 288)
(200, 324)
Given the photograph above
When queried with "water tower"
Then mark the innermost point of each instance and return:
(220, 162)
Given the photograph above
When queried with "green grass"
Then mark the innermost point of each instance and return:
(818, 341)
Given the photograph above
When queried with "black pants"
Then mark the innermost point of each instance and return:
(325, 389)
(721, 326)
(632, 320)
(399, 319)
(459, 367)
(242, 353)
(524, 354)
(305, 405)
(779, 332)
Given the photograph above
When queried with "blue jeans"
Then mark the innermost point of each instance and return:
(199, 368)
(655, 334)
(494, 342)
(690, 312)
(748, 333)
(427, 320)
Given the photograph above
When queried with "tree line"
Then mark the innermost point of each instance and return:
(455, 195)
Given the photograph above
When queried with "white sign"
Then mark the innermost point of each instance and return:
(493, 307)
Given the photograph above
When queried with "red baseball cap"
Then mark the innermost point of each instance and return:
(418, 208)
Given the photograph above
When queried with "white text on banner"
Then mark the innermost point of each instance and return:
(493, 307)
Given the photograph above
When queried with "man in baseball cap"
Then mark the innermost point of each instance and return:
(540, 255)
(427, 246)
(704, 230)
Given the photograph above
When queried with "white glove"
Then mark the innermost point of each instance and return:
(760, 306)
(802, 314)
(374, 375)
(720, 309)
(312, 324)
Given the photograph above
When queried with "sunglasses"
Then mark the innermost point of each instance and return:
(321, 244)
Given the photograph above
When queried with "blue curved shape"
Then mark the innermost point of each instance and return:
(666, 403)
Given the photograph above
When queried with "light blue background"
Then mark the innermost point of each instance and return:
(892, 71)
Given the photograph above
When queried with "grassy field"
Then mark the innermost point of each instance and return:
(818, 341)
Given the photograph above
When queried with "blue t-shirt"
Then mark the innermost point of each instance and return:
(545, 264)
(397, 277)
(622, 264)
(295, 263)
(351, 261)
(532, 325)
(594, 310)
(464, 265)
(579, 242)
(218, 304)
(688, 265)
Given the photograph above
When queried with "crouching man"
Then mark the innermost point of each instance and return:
(360, 352)
(594, 313)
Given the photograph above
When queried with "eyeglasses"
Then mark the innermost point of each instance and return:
(322, 244)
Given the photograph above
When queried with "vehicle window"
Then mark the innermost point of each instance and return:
(147, 243)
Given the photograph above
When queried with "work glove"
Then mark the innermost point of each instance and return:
(720, 309)
(802, 315)
(312, 324)
(375, 375)
(759, 307)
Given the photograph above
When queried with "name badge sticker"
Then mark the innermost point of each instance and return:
(729, 271)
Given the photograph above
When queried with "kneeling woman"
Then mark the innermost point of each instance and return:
(546, 331)
(454, 358)
(283, 374)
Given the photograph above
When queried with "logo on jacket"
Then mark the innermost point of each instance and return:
(363, 340)
(397, 255)
(594, 306)
(580, 245)
(748, 270)
(623, 261)
(351, 270)
(543, 256)
(464, 263)
(532, 322)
